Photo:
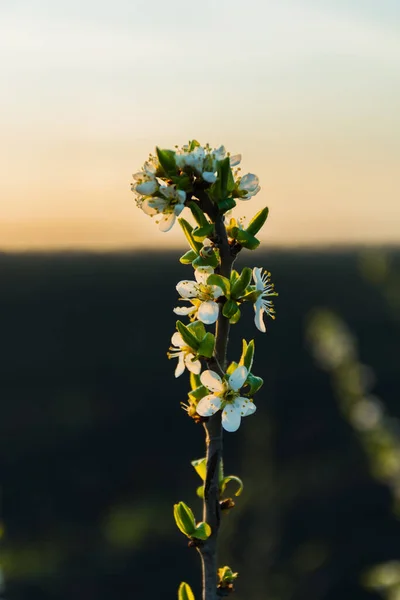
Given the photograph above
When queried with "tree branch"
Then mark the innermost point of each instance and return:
(213, 428)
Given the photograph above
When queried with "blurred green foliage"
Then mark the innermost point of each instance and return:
(95, 449)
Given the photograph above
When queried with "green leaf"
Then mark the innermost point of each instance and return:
(233, 320)
(198, 214)
(184, 519)
(198, 329)
(247, 354)
(254, 382)
(232, 367)
(241, 284)
(220, 281)
(187, 230)
(229, 309)
(200, 491)
(209, 261)
(166, 158)
(194, 381)
(185, 592)
(200, 466)
(226, 204)
(188, 257)
(229, 478)
(202, 232)
(202, 531)
(188, 337)
(257, 221)
(198, 393)
(234, 277)
(193, 145)
(207, 345)
(182, 182)
(244, 238)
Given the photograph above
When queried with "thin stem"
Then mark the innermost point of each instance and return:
(213, 429)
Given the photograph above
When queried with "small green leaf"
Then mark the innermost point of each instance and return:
(198, 214)
(222, 282)
(254, 382)
(244, 238)
(224, 168)
(193, 145)
(198, 329)
(257, 221)
(241, 284)
(194, 381)
(209, 261)
(188, 337)
(188, 257)
(200, 466)
(247, 354)
(226, 204)
(229, 309)
(200, 491)
(198, 393)
(166, 158)
(187, 230)
(229, 478)
(207, 345)
(202, 531)
(200, 233)
(184, 519)
(233, 320)
(185, 592)
(232, 367)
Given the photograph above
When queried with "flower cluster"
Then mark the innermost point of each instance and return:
(170, 179)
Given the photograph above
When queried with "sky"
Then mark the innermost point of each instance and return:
(307, 91)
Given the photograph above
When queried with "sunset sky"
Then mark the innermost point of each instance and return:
(307, 91)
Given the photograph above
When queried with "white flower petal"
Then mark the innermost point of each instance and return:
(149, 168)
(258, 316)
(212, 381)
(147, 187)
(167, 222)
(235, 160)
(209, 176)
(148, 208)
(249, 182)
(202, 274)
(249, 408)
(178, 208)
(208, 405)
(231, 418)
(184, 310)
(194, 366)
(238, 377)
(168, 191)
(181, 195)
(216, 291)
(257, 276)
(208, 312)
(177, 340)
(180, 367)
(187, 289)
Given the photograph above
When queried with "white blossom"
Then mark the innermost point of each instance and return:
(201, 295)
(225, 396)
(250, 184)
(262, 305)
(185, 356)
(170, 204)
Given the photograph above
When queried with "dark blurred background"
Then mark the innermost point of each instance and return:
(95, 448)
